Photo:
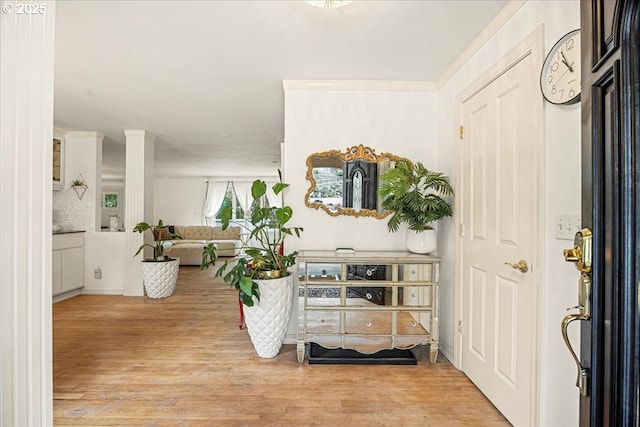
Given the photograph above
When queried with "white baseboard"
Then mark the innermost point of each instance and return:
(65, 296)
(101, 291)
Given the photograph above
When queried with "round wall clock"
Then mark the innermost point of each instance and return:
(560, 76)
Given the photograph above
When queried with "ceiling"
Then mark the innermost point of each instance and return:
(205, 77)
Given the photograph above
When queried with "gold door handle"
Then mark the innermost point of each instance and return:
(521, 265)
(582, 380)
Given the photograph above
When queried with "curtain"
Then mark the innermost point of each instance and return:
(243, 195)
(213, 199)
(274, 200)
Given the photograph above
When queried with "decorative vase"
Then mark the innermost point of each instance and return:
(267, 321)
(421, 243)
(160, 277)
(113, 223)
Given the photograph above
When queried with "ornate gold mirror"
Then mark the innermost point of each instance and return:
(346, 183)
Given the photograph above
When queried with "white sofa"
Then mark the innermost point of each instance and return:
(195, 237)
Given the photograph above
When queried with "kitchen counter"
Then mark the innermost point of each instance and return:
(67, 231)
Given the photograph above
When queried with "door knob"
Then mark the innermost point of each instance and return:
(521, 265)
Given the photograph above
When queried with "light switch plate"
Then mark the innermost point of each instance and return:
(567, 225)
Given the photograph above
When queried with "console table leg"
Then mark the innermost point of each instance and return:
(434, 353)
(300, 349)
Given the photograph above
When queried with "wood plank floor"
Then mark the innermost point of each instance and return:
(182, 361)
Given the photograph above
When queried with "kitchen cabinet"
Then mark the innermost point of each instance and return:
(58, 163)
(67, 265)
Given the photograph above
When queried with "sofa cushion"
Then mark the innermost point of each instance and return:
(197, 232)
(207, 232)
(231, 233)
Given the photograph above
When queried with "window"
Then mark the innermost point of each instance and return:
(230, 200)
(110, 200)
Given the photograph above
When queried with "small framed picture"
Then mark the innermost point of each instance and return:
(110, 200)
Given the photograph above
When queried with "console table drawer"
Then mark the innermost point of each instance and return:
(340, 307)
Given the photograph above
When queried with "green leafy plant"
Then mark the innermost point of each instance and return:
(160, 236)
(269, 228)
(415, 195)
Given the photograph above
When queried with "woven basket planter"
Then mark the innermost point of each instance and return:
(268, 320)
(160, 277)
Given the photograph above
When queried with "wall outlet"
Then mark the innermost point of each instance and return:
(97, 273)
(567, 226)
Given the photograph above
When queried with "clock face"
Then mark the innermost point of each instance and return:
(560, 76)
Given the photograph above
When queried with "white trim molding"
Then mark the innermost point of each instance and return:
(26, 165)
(362, 85)
(485, 35)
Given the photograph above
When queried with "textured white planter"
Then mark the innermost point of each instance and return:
(267, 321)
(421, 243)
(159, 278)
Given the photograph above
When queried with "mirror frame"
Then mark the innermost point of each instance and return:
(356, 152)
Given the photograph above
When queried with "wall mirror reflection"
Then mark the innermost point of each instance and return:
(346, 183)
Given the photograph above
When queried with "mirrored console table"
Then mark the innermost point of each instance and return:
(367, 300)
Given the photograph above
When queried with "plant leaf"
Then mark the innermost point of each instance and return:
(284, 214)
(141, 227)
(278, 187)
(258, 189)
(246, 284)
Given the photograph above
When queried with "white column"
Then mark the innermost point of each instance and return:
(138, 193)
(26, 147)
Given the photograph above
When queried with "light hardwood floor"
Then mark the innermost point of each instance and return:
(182, 361)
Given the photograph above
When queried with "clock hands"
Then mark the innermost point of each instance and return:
(565, 62)
(563, 74)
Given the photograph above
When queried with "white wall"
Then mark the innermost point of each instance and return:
(105, 250)
(561, 187)
(403, 123)
(179, 201)
(82, 156)
(398, 122)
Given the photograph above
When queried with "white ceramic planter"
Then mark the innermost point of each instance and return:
(267, 321)
(421, 243)
(159, 278)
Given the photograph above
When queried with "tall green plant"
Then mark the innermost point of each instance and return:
(269, 228)
(415, 195)
(160, 236)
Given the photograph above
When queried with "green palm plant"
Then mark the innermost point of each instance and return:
(415, 195)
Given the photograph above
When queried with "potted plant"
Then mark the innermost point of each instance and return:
(160, 273)
(415, 196)
(79, 186)
(262, 279)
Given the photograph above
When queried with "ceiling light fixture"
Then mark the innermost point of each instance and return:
(328, 4)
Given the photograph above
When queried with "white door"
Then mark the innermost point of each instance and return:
(499, 221)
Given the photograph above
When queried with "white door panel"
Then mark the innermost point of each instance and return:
(498, 197)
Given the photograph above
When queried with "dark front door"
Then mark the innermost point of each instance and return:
(610, 340)
(360, 185)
